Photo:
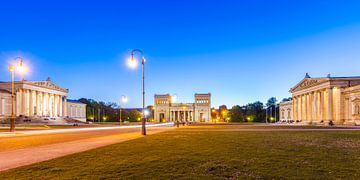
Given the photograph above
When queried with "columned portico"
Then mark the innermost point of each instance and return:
(38, 98)
(324, 100)
(165, 110)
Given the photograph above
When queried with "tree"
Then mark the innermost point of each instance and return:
(286, 99)
(236, 114)
(271, 102)
(223, 113)
(134, 116)
(255, 112)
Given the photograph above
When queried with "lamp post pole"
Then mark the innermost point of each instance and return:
(12, 70)
(123, 99)
(143, 120)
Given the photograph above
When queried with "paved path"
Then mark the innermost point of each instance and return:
(270, 130)
(32, 154)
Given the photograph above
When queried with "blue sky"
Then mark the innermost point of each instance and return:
(240, 51)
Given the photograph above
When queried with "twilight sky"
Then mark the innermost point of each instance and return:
(240, 50)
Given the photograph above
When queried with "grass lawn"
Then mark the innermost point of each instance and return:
(188, 153)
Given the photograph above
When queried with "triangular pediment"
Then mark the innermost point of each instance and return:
(307, 83)
(49, 85)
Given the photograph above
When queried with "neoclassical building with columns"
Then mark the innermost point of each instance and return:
(325, 99)
(38, 100)
(168, 111)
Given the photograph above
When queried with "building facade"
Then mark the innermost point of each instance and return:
(285, 111)
(76, 110)
(328, 99)
(35, 100)
(167, 111)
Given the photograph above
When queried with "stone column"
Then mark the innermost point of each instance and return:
(61, 107)
(311, 106)
(53, 105)
(36, 110)
(65, 107)
(306, 103)
(31, 104)
(18, 102)
(302, 107)
(330, 104)
(23, 105)
(45, 106)
(294, 108)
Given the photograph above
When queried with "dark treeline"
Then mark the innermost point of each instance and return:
(98, 111)
(252, 112)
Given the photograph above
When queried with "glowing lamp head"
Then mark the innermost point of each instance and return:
(132, 62)
(146, 112)
(124, 99)
(173, 98)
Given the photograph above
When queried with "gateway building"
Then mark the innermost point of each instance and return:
(168, 111)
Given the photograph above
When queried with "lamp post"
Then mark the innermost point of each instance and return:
(124, 100)
(12, 70)
(133, 63)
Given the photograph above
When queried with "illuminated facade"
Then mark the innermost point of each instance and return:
(321, 100)
(38, 101)
(167, 111)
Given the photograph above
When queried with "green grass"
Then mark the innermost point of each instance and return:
(188, 153)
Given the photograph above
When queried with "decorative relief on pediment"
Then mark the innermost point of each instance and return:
(305, 84)
(49, 85)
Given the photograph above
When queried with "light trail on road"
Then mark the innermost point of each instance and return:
(36, 132)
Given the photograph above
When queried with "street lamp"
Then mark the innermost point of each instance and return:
(133, 63)
(12, 69)
(124, 100)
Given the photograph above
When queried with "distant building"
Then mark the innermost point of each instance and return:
(39, 101)
(285, 110)
(326, 99)
(76, 110)
(167, 111)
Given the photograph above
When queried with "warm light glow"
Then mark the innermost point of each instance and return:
(213, 110)
(146, 112)
(132, 63)
(21, 69)
(124, 99)
(173, 98)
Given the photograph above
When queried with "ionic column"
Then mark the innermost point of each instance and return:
(65, 107)
(178, 115)
(36, 103)
(18, 102)
(301, 107)
(23, 105)
(307, 108)
(330, 104)
(294, 107)
(31, 103)
(61, 107)
(311, 106)
(45, 102)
